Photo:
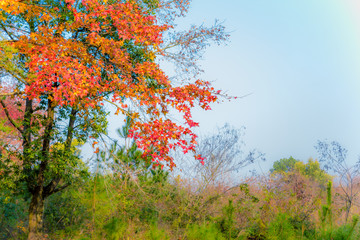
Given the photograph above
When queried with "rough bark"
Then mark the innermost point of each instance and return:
(40, 192)
(36, 208)
(36, 211)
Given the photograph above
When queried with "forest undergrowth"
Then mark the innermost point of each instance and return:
(158, 205)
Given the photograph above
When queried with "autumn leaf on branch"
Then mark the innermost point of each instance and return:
(70, 57)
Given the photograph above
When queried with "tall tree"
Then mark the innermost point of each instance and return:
(311, 170)
(69, 57)
(225, 154)
(333, 156)
(284, 165)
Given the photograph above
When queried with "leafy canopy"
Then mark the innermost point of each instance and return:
(80, 54)
(311, 169)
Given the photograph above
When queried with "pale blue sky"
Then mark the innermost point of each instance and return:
(300, 60)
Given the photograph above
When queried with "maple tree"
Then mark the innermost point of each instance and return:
(67, 58)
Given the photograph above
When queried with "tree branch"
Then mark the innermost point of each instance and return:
(9, 118)
(9, 94)
(45, 151)
(5, 30)
(69, 136)
(52, 187)
(60, 188)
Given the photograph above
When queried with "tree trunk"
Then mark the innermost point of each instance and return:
(36, 211)
(347, 209)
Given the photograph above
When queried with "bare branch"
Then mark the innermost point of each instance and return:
(10, 94)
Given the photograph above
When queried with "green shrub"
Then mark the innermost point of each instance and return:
(149, 214)
(255, 232)
(344, 232)
(155, 233)
(281, 228)
(13, 216)
(203, 232)
(302, 224)
(64, 211)
(115, 229)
